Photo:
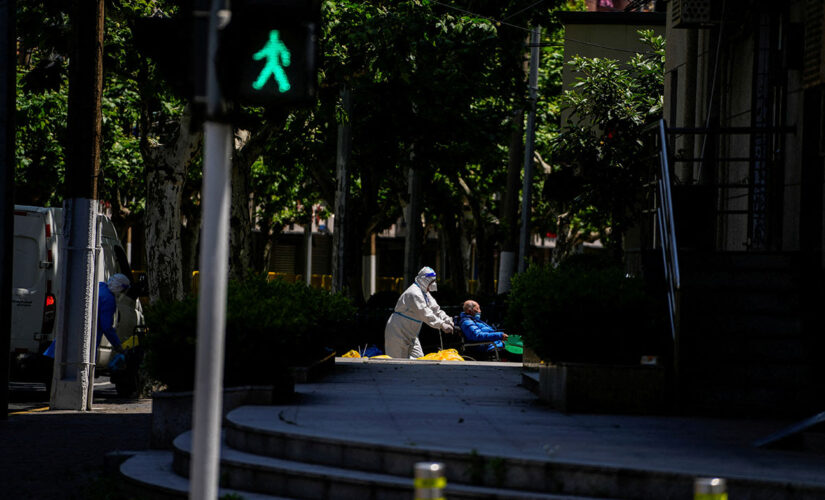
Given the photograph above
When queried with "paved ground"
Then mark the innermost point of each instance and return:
(58, 455)
(463, 407)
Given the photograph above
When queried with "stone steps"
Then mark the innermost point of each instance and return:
(150, 474)
(307, 480)
(261, 431)
(359, 433)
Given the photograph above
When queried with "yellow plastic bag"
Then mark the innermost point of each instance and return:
(445, 355)
(131, 342)
(380, 356)
(351, 354)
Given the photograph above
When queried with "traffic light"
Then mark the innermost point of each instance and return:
(268, 52)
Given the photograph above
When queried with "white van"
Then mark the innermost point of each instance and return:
(36, 290)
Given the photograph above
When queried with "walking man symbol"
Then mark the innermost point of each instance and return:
(277, 58)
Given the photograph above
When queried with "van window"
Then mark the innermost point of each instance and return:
(25, 271)
(123, 262)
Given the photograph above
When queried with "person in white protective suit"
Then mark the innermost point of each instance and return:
(415, 306)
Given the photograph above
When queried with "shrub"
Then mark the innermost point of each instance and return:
(585, 313)
(269, 326)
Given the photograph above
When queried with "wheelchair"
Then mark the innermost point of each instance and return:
(460, 344)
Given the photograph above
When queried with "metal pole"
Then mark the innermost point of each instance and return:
(7, 163)
(710, 488)
(429, 481)
(214, 267)
(527, 186)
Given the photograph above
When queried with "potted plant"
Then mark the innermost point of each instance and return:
(276, 332)
(597, 333)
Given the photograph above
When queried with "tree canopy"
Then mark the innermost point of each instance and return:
(435, 85)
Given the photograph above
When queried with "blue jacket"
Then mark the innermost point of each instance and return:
(475, 330)
(106, 309)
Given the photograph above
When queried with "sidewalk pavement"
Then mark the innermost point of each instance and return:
(58, 455)
(475, 407)
(483, 408)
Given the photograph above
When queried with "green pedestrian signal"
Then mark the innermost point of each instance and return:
(268, 53)
(277, 57)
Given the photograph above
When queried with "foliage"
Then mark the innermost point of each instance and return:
(42, 94)
(585, 310)
(601, 155)
(41, 129)
(434, 84)
(269, 325)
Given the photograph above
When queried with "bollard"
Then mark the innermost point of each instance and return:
(429, 481)
(710, 488)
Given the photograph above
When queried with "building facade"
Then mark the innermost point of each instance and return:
(743, 106)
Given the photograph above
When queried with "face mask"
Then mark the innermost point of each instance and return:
(477, 316)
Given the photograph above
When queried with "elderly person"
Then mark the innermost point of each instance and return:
(414, 307)
(475, 330)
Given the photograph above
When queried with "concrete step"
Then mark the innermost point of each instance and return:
(261, 431)
(264, 432)
(311, 481)
(149, 474)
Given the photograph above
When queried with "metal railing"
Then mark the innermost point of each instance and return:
(666, 229)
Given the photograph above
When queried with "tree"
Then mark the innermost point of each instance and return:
(434, 87)
(601, 155)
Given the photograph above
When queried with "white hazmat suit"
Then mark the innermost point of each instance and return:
(415, 306)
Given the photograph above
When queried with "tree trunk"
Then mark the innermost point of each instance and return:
(450, 239)
(240, 217)
(166, 171)
(485, 257)
(190, 238)
(249, 146)
(509, 216)
(412, 214)
(340, 239)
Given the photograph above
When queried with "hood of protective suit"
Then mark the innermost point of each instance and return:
(118, 283)
(426, 278)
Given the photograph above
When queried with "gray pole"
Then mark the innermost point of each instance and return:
(527, 186)
(72, 387)
(339, 239)
(7, 163)
(214, 268)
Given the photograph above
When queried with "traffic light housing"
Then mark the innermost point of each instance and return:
(268, 52)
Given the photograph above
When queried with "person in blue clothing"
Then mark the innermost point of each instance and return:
(475, 330)
(107, 307)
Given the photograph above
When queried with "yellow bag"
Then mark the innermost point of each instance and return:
(131, 342)
(445, 355)
(380, 356)
(351, 354)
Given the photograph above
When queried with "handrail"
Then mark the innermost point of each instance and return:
(667, 230)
